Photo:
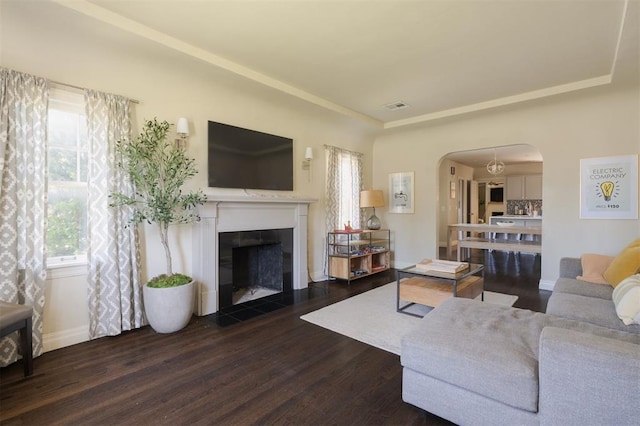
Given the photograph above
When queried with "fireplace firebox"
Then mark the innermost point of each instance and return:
(254, 264)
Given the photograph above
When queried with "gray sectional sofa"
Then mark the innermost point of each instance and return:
(476, 363)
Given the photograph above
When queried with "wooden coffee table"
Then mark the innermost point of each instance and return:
(431, 288)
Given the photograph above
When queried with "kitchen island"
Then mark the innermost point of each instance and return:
(519, 220)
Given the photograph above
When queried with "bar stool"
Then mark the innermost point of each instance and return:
(18, 317)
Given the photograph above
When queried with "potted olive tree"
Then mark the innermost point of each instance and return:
(157, 169)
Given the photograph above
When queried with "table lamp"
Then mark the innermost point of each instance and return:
(372, 198)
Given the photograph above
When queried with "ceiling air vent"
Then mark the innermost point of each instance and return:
(396, 105)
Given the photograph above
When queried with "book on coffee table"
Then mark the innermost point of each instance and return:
(438, 265)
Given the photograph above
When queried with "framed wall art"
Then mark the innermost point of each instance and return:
(609, 187)
(401, 192)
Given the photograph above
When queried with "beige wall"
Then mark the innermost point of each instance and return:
(565, 128)
(88, 54)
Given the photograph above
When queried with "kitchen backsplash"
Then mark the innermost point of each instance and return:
(513, 206)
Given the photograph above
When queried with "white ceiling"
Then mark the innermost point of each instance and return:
(442, 58)
(510, 155)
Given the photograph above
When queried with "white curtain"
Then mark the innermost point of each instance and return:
(23, 200)
(115, 293)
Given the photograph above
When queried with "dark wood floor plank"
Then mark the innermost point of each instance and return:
(272, 369)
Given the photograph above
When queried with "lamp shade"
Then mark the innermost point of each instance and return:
(182, 128)
(308, 153)
(371, 198)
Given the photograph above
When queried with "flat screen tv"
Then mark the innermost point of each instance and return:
(248, 159)
(496, 195)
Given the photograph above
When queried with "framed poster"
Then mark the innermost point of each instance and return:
(401, 192)
(609, 187)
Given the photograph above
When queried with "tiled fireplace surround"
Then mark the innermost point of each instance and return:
(231, 214)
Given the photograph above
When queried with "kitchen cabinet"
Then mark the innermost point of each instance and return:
(526, 187)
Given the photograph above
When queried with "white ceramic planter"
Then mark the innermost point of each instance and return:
(169, 309)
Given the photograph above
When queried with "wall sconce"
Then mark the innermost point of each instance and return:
(306, 164)
(373, 198)
(182, 129)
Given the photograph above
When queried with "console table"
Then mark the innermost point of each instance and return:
(467, 239)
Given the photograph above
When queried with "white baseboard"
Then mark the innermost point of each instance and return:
(64, 338)
(206, 303)
(546, 285)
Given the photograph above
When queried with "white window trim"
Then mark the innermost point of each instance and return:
(66, 261)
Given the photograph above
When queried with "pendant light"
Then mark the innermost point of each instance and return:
(494, 166)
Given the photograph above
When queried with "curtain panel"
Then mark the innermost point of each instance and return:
(23, 200)
(344, 183)
(115, 293)
(342, 193)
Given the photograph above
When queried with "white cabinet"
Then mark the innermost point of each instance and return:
(527, 187)
(533, 187)
(515, 187)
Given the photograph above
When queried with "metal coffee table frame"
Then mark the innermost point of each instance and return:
(474, 269)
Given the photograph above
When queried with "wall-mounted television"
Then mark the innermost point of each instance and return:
(248, 159)
(496, 195)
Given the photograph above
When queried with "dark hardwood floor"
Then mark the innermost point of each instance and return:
(271, 369)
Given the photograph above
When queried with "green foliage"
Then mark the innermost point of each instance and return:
(157, 169)
(64, 226)
(62, 165)
(163, 281)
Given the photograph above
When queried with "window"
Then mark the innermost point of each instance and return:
(67, 158)
(344, 182)
(349, 212)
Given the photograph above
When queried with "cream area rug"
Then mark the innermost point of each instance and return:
(371, 317)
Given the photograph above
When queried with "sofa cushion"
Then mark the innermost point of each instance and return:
(593, 267)
(570, 267)
(487, 349)
(625, 264)
(583, 288)
(590, 310)
(626, 298)
(456, 343)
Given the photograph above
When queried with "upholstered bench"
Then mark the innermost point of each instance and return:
(14, 317)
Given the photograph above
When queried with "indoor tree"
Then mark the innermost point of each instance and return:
(158, 169)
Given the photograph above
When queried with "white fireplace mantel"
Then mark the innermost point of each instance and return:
(248, 213)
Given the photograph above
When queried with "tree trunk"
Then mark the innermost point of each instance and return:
(164, 237)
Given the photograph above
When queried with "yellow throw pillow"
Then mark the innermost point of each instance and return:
(593, 266)
(624, 265)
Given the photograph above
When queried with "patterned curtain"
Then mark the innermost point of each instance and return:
(344, 183)
(23, 200)
(115, 294)
(342, 195)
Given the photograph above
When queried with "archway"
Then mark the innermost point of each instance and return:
(469, 193)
